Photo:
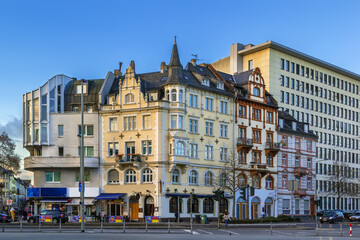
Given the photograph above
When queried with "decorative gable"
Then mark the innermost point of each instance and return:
(256, 86)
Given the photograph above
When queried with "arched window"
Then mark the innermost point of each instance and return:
(173, 205)
(167, 95)
(193, 177)
(113, 176)
(175, 176)
(269, 182)
(222, 179)
(256, 182)
(256, 92)
(242, 180)
(129, 98)
(223, 205)
(195, 205)
(181, 96)
(180, 148)
(130, 176)
(147, 175)
(173, 95)
(209, 178)
(208, 205)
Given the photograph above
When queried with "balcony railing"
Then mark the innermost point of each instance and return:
(272, 146)
(300, 192)
(300, 171)
(246, 142)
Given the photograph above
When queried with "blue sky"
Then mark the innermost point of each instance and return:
(86, 39)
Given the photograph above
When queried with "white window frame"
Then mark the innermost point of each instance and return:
(193, 150)
(131, 100)
(193, 100)
(193, 125)
(209, 104)
(209, 128)
(193, 178)
(86, 130)
(130, 177)
(53, 177)
(60, 126)
(224, 130)
(224, 106)
(224, 154)
(115, 147)
(209, 152)
(113, 126)
(209, 178)
(178, 176)
(129, 123)
(146, 123)
(180, 148)
(147, 175)
(146, 147)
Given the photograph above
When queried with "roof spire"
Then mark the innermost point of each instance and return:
(175, 59)
(175, 69)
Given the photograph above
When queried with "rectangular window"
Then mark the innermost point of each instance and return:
(113, 125)
(88, 151)
(292, 67)
(257, 136)
(78, 89)
(193, 125)
(193, 101)
(256, 114)
(129, 123)
(223, 107)
(309, 145)
(250, 64)
(284, 161)
(87, 176)
(256, 157)
(270, 117)
(242, 157)
(224, 130)
(60, 130)
(282, 80)
(242, 111)
(146, 147)
(282, 64)
(181, 122)
(113, 149)
(146, 122)
(173, 121)
(193, 150)
(209, 152)
(223, 154)
(61, 151)
(53, 176)
(209, 128)
(88, 130)
(287, 65)
(209, 104)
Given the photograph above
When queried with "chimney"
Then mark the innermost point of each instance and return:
(132, 64)
(163, 67)
(116, 72)
(120, 64)
(193, 62)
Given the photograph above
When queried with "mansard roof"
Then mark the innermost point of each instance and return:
(287, 126)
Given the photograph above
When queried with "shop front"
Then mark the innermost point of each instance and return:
(47, 199)
(111, 206)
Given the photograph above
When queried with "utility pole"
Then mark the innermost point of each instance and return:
(82, 208)
(191, 210)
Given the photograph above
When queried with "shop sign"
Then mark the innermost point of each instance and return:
(9, 202)
(77, 219)
(152, 219)
(115, 219)
(45, 218)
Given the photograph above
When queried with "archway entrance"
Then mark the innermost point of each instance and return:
(241, 209)
(255, 204)
(134, 208)
(268, 207)
(149, 206)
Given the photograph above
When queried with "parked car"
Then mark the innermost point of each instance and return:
(55, 215)
(5, 217)
(355, 216)
(322, 212)
(332, 217)
(350, 213)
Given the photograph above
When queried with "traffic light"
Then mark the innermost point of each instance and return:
(252, 191)
(243, 193)
(222, 195)
(218, 194)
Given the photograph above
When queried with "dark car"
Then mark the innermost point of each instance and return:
(322, 212)
(4, 217)
(56, 215)
(355, 216)
(332, 217)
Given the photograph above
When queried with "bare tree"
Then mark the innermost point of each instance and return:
(8, 158)
(228, 179)
(342, 181)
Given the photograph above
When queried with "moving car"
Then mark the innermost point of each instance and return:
(355, 216)
(332, 217)
(56, 215)
(4, 217)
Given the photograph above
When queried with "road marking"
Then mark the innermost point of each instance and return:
(189, 231)
(229, 232)
(206, 232)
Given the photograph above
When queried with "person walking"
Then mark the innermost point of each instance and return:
(226, 218)
(12, 213)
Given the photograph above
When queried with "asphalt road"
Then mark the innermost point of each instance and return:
(160, 231)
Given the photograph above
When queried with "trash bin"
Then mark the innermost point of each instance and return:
(203, 219)
(197, 218)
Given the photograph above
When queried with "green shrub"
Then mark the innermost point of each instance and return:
(280, 218)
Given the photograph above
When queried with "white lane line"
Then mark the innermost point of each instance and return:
(205, 231)
(189, 231)
(229, 232)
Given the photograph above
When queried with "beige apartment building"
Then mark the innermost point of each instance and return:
(318, 93)
(165, 135)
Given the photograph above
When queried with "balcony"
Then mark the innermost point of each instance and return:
(4, 180)
(272, 147)
(134, 160)
(31, 163)
(300, 192)
(244, 144)
(300, 171)
(258, 168)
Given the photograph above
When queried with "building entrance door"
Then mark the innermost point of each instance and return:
(134, 208)
(149, 206)
(255, 203)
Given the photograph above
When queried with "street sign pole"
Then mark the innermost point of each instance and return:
(82, 160)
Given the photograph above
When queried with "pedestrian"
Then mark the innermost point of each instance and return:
(12, 213)
(25, 214)
(226, 218)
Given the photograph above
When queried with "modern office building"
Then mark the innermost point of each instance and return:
(296, 163)
(318, 93)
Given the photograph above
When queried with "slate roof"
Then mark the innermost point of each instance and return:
(300, 126)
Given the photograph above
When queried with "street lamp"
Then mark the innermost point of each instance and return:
(82, 190)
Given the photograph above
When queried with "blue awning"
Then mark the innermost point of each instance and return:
(109, 196)
(54, 200)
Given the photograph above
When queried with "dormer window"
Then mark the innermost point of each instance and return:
(257, 92)
(220, 85)
(129, 98)
(205, 82)
(78, 89)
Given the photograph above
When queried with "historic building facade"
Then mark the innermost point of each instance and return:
(296, 167)
(318, 93)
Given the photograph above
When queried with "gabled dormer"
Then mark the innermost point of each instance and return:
(256, 86)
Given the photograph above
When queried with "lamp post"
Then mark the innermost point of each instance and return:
(82, 207)
(191, 210)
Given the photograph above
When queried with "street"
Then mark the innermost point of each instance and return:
(160, 231)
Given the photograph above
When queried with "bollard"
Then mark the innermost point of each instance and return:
(271, 229)
(39, 225)
(102, 224)
(317, 229)
(146, 226)
(21, 227)
(341, 225)
(350, 230)
(3, 226)
(124, 224)
(60, 225)
(168, 225)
